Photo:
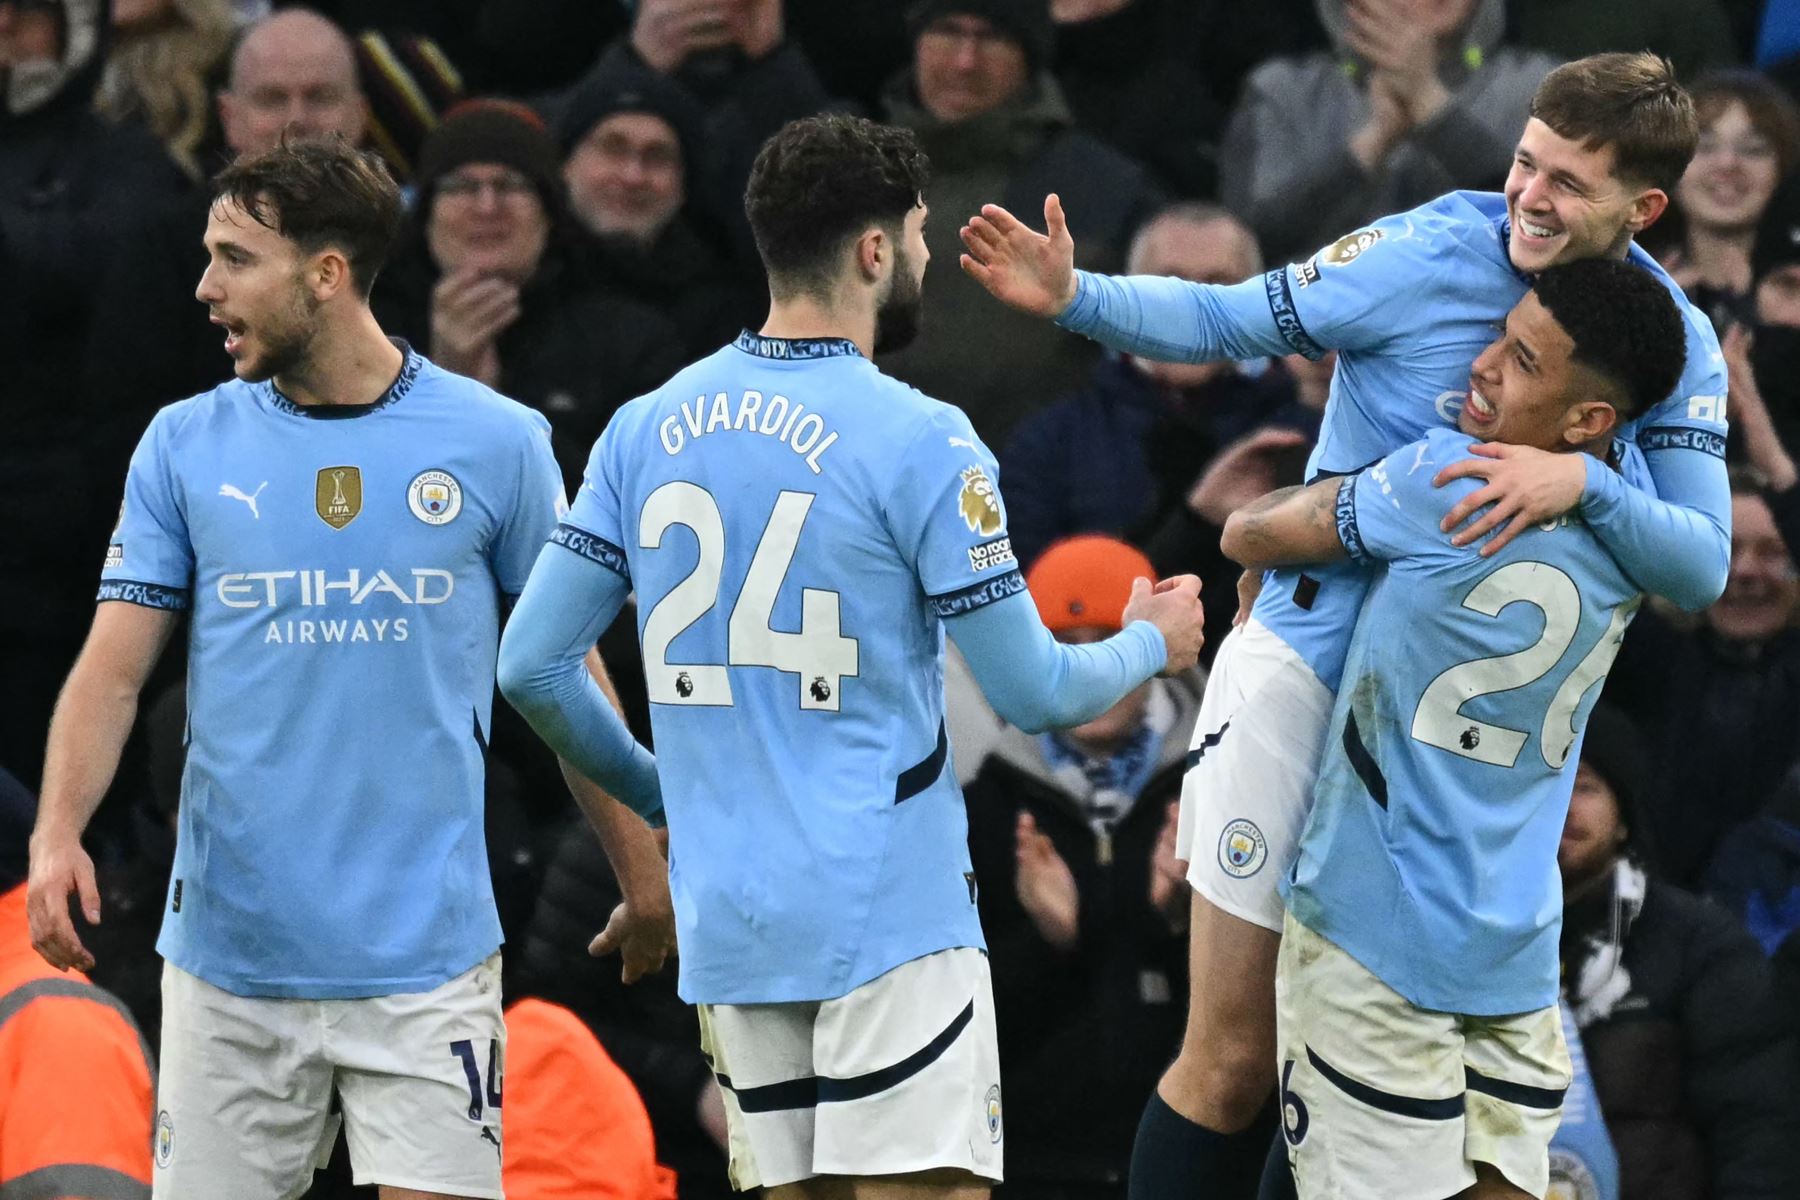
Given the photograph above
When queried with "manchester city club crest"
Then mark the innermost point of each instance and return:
(165, 1138)
(993, 1114)
(337, 496)
(434, 497)
(1242, 849)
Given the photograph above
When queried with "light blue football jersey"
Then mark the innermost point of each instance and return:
(1430, 856)
(346, 568)
(1409, 302)
(796, 526)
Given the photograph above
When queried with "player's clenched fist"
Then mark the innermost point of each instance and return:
(1032, 271)
(1173, 606)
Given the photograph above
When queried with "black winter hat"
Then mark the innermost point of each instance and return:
(491, 131)
(632, 89)
(1778, 233)
(1028, 21)
(1614, 747)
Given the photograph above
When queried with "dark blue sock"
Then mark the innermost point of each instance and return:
(1278, 1174)
(1175, 1159)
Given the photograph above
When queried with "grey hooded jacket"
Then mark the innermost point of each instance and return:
(1286, 165)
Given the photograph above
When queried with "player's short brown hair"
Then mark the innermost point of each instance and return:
(321, 193)
(1630, 102)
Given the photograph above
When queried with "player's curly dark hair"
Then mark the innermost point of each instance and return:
(1624, 324)
(318, 193)
(822, 180)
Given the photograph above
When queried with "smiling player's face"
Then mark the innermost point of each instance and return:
(1565, 202)
(254, 288)
(1521, 385)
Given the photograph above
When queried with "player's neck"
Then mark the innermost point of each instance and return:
(354, 363)
(811, 318)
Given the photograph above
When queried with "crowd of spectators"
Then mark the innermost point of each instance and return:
(574, 170)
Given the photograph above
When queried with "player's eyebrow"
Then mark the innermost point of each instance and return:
(1526, 353)
(225, 246)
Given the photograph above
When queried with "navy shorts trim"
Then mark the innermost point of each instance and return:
(816, 1090)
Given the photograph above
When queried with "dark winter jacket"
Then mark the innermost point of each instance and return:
(71, 188)
(688, 282)
(577, 352)
(994, 363)
(646, 1028)
(1084, 1034)
(1691, 1055)
(1724, 718)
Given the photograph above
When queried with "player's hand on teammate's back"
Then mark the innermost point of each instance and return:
(643, 939)
(1033, 272)
(1525, 486)
(57, 870)
(1173, 606)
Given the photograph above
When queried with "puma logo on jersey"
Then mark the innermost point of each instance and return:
(234, 492)
(956, 441)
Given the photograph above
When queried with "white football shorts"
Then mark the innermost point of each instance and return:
(1381, 1100)
(1251, 769)
(244, 1099)
(900, 1075)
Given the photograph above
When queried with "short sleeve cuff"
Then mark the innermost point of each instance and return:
(146, 595)
(1348, 532)
(592, 547)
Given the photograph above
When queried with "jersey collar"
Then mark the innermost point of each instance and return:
(410, 363)
(774, 347)
(1506, 250)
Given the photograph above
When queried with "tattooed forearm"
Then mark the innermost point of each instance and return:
(1292, 525)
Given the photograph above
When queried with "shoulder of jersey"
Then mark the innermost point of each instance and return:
(1447, 444)
(1457, 218)
(474, 399)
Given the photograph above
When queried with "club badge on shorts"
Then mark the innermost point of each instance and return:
(1242, 849)
(165, 1138)
(993, 1114)
(434, 497)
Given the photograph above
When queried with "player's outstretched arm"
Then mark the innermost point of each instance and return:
(567, 603)
(93, 718)
(1288, 527)
(1037, 683)
(1169, 320)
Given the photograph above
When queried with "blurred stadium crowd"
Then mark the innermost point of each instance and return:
(575, 170)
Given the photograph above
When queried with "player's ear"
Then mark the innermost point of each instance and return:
(873, 253)
(1650, 205)
(329, 274)
(1589, 421)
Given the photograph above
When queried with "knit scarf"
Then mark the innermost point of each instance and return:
(1599, 979)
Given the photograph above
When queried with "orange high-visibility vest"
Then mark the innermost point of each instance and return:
(574, 1126)
(77, 1081)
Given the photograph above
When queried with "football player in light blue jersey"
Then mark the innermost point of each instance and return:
(1421, 1050)
(343, 523)
(800, 532)
(1408, 303)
